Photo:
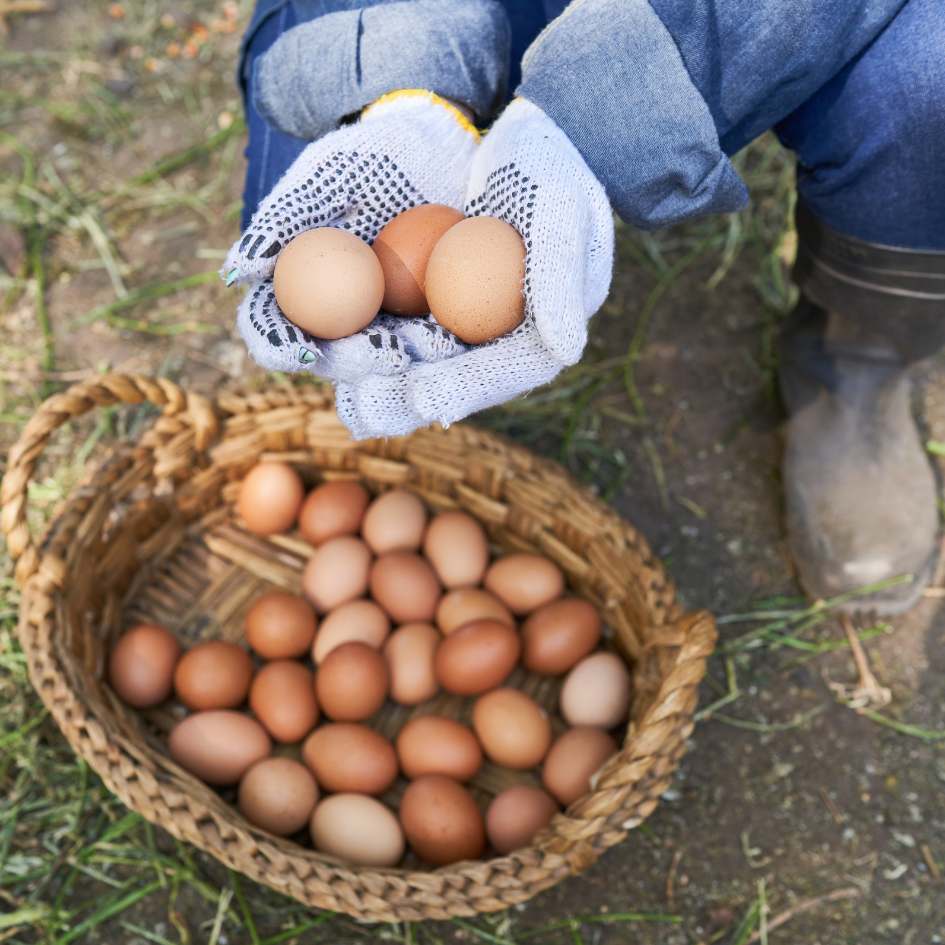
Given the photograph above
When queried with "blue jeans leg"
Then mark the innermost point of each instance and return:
(871, 142)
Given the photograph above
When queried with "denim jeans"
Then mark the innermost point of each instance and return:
(870, 140)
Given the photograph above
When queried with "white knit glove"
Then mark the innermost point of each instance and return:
(527, 173)
(408, 148)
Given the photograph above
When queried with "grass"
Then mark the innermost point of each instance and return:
(120, 226)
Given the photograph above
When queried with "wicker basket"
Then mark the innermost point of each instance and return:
(151, 534)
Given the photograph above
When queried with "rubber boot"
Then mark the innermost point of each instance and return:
(860, 493)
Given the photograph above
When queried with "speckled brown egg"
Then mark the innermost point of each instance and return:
(433, 744)
(269, 498)
(337, 572)
(596, 691)
(351, 683)
(405, 585)
(442, 821)
(346, 756)
(403, 248)
(283, 698)
(333, 509)
(572, 760)
(141, 665)
(458, 549)
(218, 746)
(513, 729)
(524, 582)
(394, 521)
(328, 282)
(477, 657)
(516, 815)
(280, 625)
(358, 621)
(560, 634)
(410, 651)
(213, 675)
(475, 279)
(278, 795)
(357, 829)
(459, 607)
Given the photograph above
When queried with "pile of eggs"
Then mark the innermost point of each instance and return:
(397, 607)
(467, 273)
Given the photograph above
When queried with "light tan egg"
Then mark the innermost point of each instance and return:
(524, 582)
(337, 572)
(405, 585)
(333, 509)
(513, 729)
(358, 621)
(596, 692)
(458, 549)
(410, 652)
(357, 829)
(328, 282)
(269, 498)
(462, 606)
(394, 521)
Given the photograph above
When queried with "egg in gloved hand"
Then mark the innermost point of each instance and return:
(328, 282)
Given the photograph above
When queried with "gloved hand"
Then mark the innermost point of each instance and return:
(407, 148)
(527, 173)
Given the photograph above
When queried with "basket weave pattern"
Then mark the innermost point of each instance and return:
(151, 534)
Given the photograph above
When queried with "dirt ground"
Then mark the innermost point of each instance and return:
(795, 819)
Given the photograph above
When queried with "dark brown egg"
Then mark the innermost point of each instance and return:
(278, 795)
(218, 746)
(403, 249)
(458, 549)
(269, 498)
(141, 665)
(406, 587)
(516, 815)
(351, 683)
(213, 675)
(477, 657)
(333, 509)
(432, 744)
(441, 821)
(559, 635)
(524, 582)
(345, 756)
(283, 697)
(280, 626)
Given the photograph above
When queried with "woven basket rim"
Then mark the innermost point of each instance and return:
(627, 788)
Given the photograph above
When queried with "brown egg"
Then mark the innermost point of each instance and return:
(283, 697)
(403, 249)
(513, 729)
(278, 795)
(269, 498)
(558, 635)
(394, 522)
(357, 829)
(351, 683)
(573, 759)
(458, 549)
(328, 282)
(213, 675)
(337, 572)
(409, 653)
(406, 587)
(333, 509)
(524, 582)
(516, 815)
(441, 820)
(358, 621)
(476, 657)
(345, 756)
(432, 744)
(596, 691)
(218, 746)
(475, 277)
(280, 626)
(457, 608)
(141, 665)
